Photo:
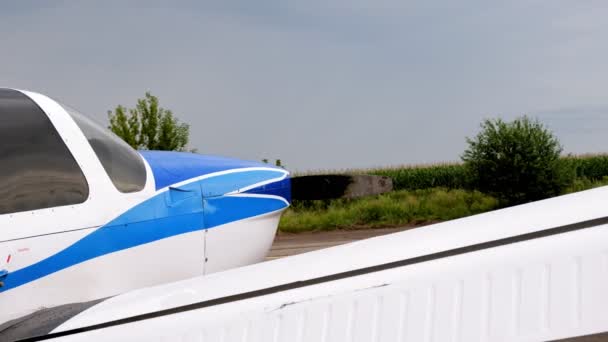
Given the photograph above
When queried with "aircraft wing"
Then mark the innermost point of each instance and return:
(529, 273)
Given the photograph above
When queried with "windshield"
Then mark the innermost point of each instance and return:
(37, 170)
(122, 163)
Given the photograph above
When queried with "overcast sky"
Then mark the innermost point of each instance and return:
(323, 84)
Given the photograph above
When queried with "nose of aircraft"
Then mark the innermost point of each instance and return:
(222, 175)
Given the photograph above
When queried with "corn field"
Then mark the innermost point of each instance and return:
(454, 175)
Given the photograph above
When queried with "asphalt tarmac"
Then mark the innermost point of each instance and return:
(286, 244)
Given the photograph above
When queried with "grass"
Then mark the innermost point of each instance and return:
(398, 208)
(584, 183)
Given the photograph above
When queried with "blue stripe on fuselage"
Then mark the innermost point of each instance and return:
(160, 217)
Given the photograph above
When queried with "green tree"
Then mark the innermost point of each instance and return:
(149, 126)
(517, 161)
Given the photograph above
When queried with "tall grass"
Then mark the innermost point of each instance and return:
(584, 183)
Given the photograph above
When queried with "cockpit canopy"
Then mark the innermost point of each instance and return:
(37, 169)
(122, 163)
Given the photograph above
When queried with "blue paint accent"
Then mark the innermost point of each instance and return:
(176, 211)
(175, 167)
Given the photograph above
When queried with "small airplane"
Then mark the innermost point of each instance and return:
(84, 216)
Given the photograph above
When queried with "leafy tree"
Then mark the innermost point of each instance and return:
(149, 126)
(517, 161)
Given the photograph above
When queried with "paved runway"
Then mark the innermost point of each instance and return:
(289, 244)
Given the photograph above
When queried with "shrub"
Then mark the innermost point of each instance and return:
(516, 162)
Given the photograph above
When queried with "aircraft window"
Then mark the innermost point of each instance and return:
(38, 171)
(123, 164)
